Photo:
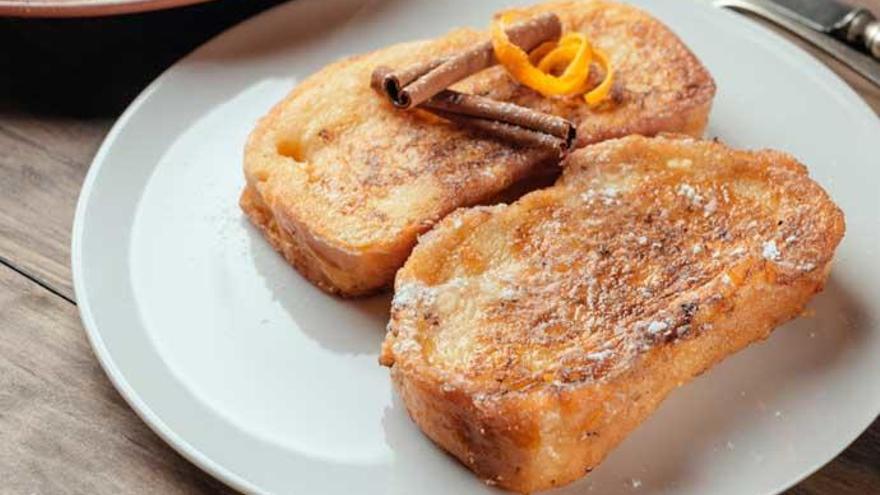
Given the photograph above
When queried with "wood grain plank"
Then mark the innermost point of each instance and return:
(63, 427)
(43, 160)
(61, 88)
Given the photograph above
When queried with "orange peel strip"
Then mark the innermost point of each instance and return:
(517, 62)
(601, 92)
(573, 51)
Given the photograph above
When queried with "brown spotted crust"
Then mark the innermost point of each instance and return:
(343, 184)
(528, 340)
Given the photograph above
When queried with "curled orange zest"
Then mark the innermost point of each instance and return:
(601, 92)
(573, 52)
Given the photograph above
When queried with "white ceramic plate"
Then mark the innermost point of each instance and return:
(272, 386)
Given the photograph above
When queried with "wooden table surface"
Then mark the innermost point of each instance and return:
(63, 427)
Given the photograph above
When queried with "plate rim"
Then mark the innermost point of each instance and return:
(96, 341)
(87, 8)
(105, 359)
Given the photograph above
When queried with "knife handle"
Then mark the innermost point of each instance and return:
(864, 28)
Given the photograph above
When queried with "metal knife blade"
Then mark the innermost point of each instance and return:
(827, 16)
(854, 25)
(863, 64)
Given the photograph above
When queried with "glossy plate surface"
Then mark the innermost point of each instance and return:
(273, 387)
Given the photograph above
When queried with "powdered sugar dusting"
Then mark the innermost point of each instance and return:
(412, 293)
(689, 192)
(402, 346)
(656, 327)
(600, 355)
(509, 293)
(711, 207)
(770, 251)
(532, 298)
(807, 266)
(607, 195)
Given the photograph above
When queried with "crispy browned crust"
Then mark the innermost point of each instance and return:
(528, 340)
(344, 184)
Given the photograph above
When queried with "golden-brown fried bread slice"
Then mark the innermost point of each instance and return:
(342, 183)
(528, 340)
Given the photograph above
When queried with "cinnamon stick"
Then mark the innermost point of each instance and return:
(506, 131)
(419, 82)
(385, 80)
(453, 102)
(425, 84)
